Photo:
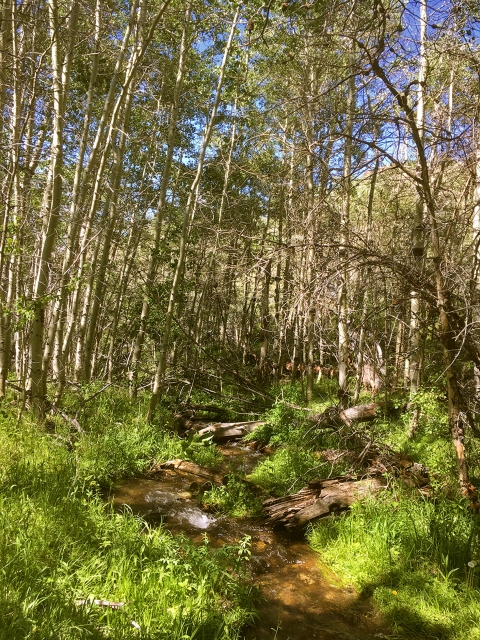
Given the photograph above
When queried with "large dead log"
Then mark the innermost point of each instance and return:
(202, 476)
(334, 417)
(187, 468)
(223, 431)
(320, 499)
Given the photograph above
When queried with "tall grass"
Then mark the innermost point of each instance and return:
(413, 556)
(59, 543)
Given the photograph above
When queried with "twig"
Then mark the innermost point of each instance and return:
(72, 421)
(101, 603)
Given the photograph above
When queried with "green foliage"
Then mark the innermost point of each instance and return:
(279, 472)
(118, 442)
(412, 555)
(431, 444)
(59, 543)
(235, 499)
(201, 450)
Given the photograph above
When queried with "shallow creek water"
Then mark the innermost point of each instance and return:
(302, 599)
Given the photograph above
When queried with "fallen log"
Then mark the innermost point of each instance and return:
(187, 468)
(319, 500)
(203, 475)
(335, 418)
(223, 431)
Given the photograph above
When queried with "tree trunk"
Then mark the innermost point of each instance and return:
(192, 198)
(343, 350)
(167, 168)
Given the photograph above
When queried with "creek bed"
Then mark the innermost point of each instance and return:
(301, 597)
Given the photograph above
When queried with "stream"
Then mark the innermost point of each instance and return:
(301, 598)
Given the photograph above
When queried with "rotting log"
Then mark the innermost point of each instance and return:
(334, 417)
(203, 476)
(224, 431)
(319, 500)
(185, 467)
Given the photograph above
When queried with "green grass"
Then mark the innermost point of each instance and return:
(117, 441)
(295, 461)
(59, 542)
(412, 555)
(235, 499)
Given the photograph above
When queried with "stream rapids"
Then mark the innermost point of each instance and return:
(301, 598)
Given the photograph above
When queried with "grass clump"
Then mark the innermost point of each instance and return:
(413, 556)
(235, 499)
(118, 442)
(59, 543)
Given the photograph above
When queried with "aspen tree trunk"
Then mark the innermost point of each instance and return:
(309, 231)
(167, 169)
(187, 220)
(217, 244)
(361, 339)
(265, 321)
(278, 336)
(8, 40)
(476, 244)
(66, 71)
(134, 62)
(111, 112)
(310, 279)
(287, 270)
(9, 49)
(56, 330)
(98, 294)
(296, 348)
(82, 182)
(344, 233)
(61, 77)
(418, 233)
(131, 249)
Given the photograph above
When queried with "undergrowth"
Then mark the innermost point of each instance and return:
(118, 442)
(417, 558)
(235, 499)
(60, 543)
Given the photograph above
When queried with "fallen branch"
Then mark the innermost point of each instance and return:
(71, 421)
(334, 417)
(101, 603)
(204, 474)
(110, 604)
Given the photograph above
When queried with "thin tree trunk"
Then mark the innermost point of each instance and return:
(344, 235)
(56, 331)
(418, 233)
(361, 339)
(187, 219)
(167, 169)
(61, 76)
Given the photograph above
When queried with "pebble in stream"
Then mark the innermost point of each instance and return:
(302, 599)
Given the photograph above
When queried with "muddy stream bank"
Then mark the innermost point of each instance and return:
(301, 598)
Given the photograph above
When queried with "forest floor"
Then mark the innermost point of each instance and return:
(415, 556)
